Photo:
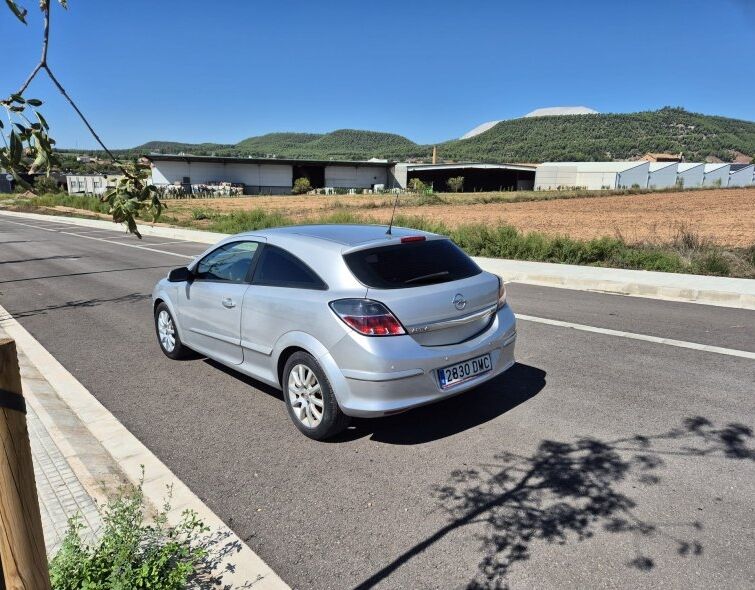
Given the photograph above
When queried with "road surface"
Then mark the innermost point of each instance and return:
(603, 459)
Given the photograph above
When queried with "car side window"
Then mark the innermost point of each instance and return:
(278, 268)
(229, 263)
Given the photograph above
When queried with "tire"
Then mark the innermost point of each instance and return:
(179, 351)
(307, 393)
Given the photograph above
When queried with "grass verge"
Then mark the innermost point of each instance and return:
(686, 253)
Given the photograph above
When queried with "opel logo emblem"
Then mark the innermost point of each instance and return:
(459, 301)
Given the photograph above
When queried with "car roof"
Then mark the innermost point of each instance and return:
(342, 235)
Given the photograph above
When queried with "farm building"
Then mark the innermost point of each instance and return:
(741, 175)
(477, 177)
(591, 175)
(90, 184)
(662, 174)
(264, 175)
(716, 175)
(690, 174)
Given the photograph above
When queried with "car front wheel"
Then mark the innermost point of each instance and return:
(310, 401)
(167, 334)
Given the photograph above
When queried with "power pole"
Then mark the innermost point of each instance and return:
(23, 560)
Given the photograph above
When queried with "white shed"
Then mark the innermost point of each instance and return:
(716, 175)
(690, 174)
(742, 175)
(662, 175)
(591, 175)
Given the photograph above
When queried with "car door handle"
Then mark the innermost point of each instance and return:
(228, 302)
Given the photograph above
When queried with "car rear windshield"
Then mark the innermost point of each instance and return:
(413, 264)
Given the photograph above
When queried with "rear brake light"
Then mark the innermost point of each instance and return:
(501, 293)
(407, 239)
(367, 317)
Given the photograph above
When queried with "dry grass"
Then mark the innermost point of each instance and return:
(725, 217)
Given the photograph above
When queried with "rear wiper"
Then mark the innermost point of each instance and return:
(434, 275)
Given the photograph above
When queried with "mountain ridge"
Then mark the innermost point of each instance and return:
(600, 136)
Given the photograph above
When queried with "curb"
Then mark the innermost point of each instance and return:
(241, 567)
(718, 291)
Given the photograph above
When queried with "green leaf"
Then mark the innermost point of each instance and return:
(17, 98)
(17, 10)
(35, 102)
(42, 120)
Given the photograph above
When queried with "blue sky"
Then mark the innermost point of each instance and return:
(190, 70)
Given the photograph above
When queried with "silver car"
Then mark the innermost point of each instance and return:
(348, 320)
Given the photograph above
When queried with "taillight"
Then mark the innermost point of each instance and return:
(501, 293)
(367, 317)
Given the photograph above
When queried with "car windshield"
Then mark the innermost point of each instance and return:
(413, 264)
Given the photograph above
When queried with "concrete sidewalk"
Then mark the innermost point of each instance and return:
(82, 457)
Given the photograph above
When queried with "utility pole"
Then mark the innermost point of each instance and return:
(23, 560)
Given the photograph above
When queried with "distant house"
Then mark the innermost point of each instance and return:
(655, 157)
(90, 184)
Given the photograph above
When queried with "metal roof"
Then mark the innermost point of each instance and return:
(285, 161)
(655, 166)
(599, 166)
(738, 167)
(684, 166)
(472, 165)
(714, 166)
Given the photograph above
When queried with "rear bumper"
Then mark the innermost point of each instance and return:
(379, 376)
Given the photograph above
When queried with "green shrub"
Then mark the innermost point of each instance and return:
(713, 263)
(200, 214)
(131, 554)
(455, 184)
(46, 184)
(301, 186)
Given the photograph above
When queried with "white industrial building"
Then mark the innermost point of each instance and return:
(90, 184)
(591, 175)
(266, 176)
(690, 174)
(716, 175)
(662, 175)
(741, 175)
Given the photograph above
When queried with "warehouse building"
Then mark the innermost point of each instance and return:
(690, 174)
(662, 175)
(716, 175)
(741, 175)
(477, 177)
(591, 175)
(265, 175)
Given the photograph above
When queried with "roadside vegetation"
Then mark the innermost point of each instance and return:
(133, 551)
(686, 252)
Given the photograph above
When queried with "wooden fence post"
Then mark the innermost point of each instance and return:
(23, 561)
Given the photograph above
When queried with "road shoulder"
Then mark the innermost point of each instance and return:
(83, 454)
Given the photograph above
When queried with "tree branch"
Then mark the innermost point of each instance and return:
(79, 113)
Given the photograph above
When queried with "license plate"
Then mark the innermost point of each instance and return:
(455, 374)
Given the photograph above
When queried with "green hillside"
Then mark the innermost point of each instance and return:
(532, 139)
(607, 137)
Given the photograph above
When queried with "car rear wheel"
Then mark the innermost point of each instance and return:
(309, 398)
(167, 334)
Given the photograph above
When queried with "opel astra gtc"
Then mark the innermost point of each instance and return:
(347, 320)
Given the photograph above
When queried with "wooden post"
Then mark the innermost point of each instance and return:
(23, 560)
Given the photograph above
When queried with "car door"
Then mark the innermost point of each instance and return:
(210, 305)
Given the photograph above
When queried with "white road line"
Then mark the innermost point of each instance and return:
(68, 233)
(645, 337)
(528, 318)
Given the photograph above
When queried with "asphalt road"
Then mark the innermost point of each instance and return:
(598, 461)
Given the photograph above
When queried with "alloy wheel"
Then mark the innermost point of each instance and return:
(166, 331)
(305, 395)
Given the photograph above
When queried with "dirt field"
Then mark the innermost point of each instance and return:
(726, 217)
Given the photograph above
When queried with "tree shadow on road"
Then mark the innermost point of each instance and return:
(81, 303)
(457, 414)
(568, 491)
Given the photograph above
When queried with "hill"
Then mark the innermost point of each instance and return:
(528, 139)
(607, 137)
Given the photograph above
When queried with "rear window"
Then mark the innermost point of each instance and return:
(414, 264)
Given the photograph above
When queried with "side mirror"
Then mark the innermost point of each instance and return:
(180, 275)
